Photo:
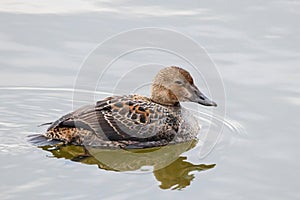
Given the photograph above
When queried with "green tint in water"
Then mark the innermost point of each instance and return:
(171, 169)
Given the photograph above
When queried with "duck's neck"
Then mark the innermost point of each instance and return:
(163, 96)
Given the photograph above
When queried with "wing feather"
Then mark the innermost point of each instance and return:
(123, 118)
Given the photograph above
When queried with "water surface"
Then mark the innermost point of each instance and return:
(255, 46)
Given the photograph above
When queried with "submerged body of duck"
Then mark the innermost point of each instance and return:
(135, 121)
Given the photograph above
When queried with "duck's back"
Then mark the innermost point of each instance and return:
(119, 121)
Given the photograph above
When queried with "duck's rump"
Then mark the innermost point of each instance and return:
(120, 120)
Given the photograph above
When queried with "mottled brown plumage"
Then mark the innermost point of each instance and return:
(134, 121)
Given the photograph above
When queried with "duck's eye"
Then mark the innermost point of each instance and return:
(179, 82)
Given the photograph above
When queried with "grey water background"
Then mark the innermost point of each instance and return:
(254, 44)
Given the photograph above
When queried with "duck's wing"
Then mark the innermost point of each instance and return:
(123, 118)
(137, 118)
(84, 117)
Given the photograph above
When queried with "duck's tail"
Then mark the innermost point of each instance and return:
(41, 140)
(44, 124)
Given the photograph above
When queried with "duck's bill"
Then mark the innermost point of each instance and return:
(200, 98)
(203, 100)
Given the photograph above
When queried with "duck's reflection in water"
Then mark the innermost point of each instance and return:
(169, 168)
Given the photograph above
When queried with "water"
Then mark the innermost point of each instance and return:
(255, 46)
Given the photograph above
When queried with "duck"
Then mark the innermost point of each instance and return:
(136, 121)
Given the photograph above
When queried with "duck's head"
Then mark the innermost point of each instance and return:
(173, 85)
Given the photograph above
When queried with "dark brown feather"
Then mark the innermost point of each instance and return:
(127, 118)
